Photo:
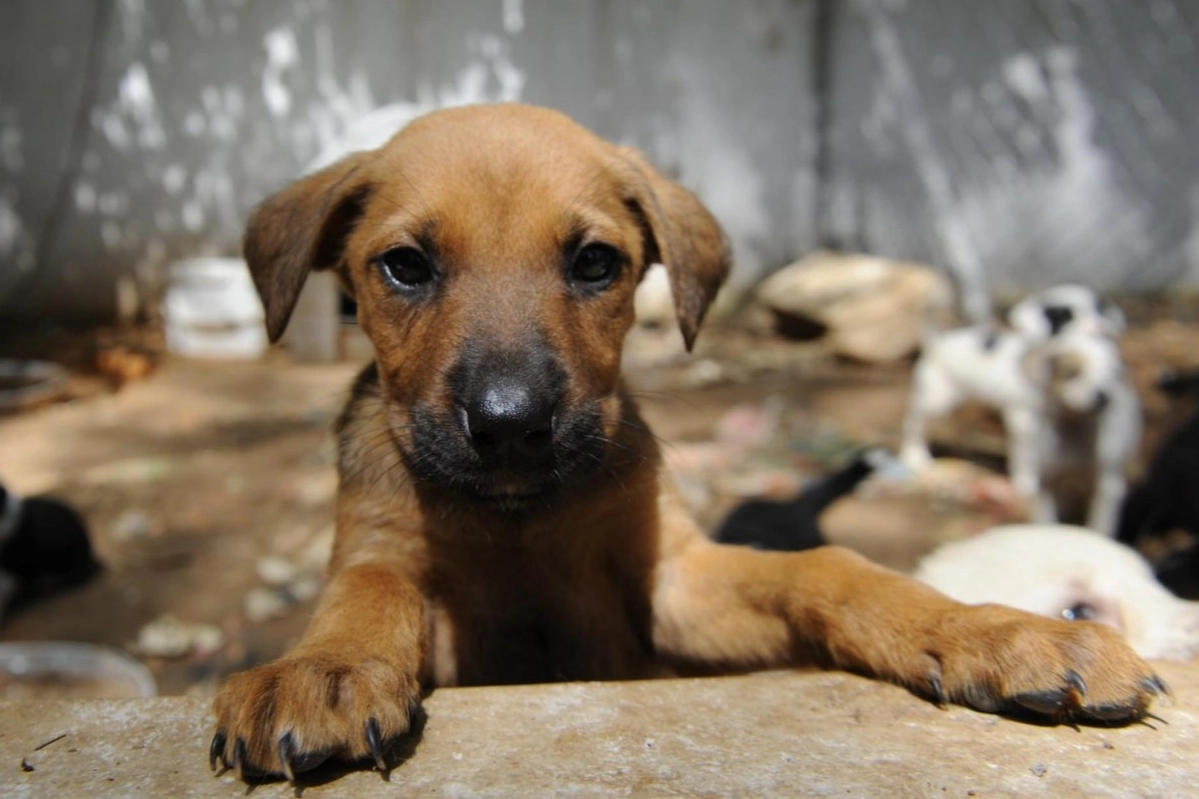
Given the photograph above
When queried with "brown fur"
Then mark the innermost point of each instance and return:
(606, 577)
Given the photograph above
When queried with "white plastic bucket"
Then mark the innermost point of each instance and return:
(212, 310)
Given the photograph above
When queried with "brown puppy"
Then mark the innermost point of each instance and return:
(502, 515)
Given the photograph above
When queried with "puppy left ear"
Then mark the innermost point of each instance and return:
(300, 229)
(679, 232)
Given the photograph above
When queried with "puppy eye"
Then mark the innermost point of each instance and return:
(596, 267)
(1080, 612)
(406, 268)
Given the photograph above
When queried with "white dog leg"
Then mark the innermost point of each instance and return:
(932, 396)
(1103, 515)
(1024, 433)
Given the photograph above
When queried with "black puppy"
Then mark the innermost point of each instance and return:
(44, 549)
(794, 525)
(1166, 498)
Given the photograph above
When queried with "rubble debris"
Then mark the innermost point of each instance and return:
(263, 604)
(123, 364)
(170, 637)
(870, 309)
(26, 384)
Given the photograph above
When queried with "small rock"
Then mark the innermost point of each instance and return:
(130, 525)
(206, 638)
(263, 604)
(872, 309)
(164, 637)
(170, 637)
(275, 571)
(305, 588)
(1039, 769)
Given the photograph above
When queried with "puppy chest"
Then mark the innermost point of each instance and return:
(538, 630)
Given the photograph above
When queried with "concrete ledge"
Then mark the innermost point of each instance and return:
(776, 734)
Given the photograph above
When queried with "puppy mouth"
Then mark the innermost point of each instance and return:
(441, 455)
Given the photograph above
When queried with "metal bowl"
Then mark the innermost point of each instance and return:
(27, 382)
(70, 670)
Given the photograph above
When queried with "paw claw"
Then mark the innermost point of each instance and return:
(1114, 713)
(938, 690)
(372, 741)
(1076, 684)
(217, 749)
(1044, 703)
(287, 753)
(239, 758)
(1156, 685)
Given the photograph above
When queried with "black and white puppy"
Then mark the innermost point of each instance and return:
(1067, 308)
(44, 549)
(794, 525)
(1065, 400)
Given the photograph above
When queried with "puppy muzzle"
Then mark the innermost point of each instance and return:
(510, 425)
(509, 436)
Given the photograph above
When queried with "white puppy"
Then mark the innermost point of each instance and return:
(1067, 308)
(1037, 386)
(1068, 572)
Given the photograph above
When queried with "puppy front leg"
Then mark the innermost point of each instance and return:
(932, 395)
(344, 691)
(914, 451)
(1104, 511)
(727, 607)
(1026, 445)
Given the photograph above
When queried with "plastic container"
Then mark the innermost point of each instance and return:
(70, 670)
(212, 310)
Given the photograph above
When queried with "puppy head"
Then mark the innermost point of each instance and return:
(493, 252)
(1071, 573)
(1065, 309)
(1083, 371)
(1078, 370)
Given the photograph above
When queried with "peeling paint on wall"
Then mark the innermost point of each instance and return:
(10, 227)
(1069, 207)
(282, 56)
(493, 79)
(1045, 140)
(717, 165)
(514, 17)
(12, 154)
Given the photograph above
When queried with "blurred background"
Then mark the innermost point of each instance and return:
(1015, 144)
(1003, 147)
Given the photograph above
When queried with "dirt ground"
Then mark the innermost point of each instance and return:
(189, 477)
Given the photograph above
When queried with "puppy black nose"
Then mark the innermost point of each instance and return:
(1102, 398)
(510, 421)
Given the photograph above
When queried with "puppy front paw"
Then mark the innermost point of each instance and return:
(291, 715)
(1001, 660)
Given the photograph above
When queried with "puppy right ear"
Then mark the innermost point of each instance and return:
(301, 228)
(681, 234)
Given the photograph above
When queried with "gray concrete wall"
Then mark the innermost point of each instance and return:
(1019, 143)
(1013, 143)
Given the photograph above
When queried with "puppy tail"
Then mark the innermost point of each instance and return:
(794, 526)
